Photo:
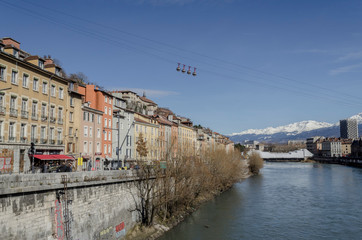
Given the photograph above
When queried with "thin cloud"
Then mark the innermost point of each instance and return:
(151, 92)
(346, 69)
(351, 56)
(323, 51)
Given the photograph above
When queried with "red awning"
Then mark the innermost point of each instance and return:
(53, 157)
(44, 157)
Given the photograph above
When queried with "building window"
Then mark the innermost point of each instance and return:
(109, 136)
(22, 131)
(71, 116)
(105, 99)
(90, 147)
(35, 84)
(52, 90)
(2, 73)
(51, 134)
(52, 113)
(105, 149)
(105, 110)
(13, 103)
(34, 109)
(109, 111)
(45, 88)
(105, 136)
(85, 131)
(60, 113)
(98, 147)
(25, 80)
(70, 131)
(41, 64)
(105, 122)
(98, 133)
(42, 133)
(99, 119)
(61, 93)
(109, 148)
(109, 123)
(90, 131)
(85, 147)
(16, 53)
(92, 117)
(12, 131)
(33, 133)
(43, 110)
(14, 77)
(71, 101)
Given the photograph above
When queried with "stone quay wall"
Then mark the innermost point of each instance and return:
(94, 205)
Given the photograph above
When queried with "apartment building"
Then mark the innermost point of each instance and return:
(33, 101)
(123, 134)
(150, 130)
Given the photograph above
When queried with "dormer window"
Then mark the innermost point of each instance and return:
(1, 48)
(71, 86)
(41, 64)
(57, 71)
(16, 53)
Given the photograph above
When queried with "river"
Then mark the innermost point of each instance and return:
(286, 201)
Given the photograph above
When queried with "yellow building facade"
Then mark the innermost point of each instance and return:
(33, 104)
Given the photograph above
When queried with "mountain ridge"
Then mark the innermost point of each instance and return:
(294, 131)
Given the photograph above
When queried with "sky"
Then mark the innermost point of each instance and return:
(259, 63)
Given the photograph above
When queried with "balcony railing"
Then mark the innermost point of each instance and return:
(52, 119)
(44, 118)
(24, 114)
(34, 116)
(2, 110)
(13, 112)
(60, 142)
(23, 139)
(43, 140)
(60, 120)
(52, 141)
(12, 139)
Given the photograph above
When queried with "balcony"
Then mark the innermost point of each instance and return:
(24, 114)
(23, 139)
(2, 110)
(13, 112)
(43, 140)
(60, 142)
(34, 117)
(52, 119)
(60, 121)
(52, 141)
(12, 139)
(34, 140)
(44, 118)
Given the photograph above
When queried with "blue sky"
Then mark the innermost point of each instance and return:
(259, 63)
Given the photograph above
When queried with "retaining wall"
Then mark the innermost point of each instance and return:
(98, 203)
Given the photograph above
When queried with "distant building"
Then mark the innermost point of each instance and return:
(312, 144)
(348, 128)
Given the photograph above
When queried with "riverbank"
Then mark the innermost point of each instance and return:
(160, 227)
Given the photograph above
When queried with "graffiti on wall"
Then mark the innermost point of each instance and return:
(59, 220)
(6, 161)
(120, 230)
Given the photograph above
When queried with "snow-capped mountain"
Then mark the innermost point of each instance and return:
(293, 131)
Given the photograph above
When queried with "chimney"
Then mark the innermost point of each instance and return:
(48, 60)
(10, 41)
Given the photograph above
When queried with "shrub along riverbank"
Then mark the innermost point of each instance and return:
(169, 194)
